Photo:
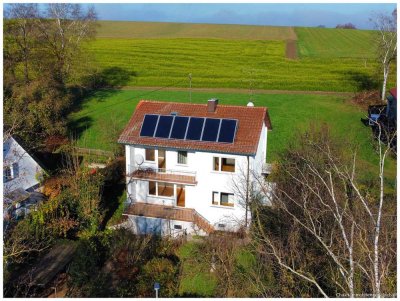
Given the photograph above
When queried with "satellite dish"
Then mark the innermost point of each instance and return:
(139, 159)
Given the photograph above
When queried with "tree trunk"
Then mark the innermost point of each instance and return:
(385, 76)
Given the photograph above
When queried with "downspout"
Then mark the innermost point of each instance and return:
(247, 189)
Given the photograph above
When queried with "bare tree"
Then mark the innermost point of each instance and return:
(65, 28)
(22, 26)
(386, 42)
(319, 195)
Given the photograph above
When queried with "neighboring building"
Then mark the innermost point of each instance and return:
(383, 120)
(182, 163)
(21, 177)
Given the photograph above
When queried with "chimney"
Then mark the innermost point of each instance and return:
(212, 105)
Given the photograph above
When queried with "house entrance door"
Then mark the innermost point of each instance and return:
(180, 196)
(161, 159)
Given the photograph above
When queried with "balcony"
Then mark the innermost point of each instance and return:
(169, 212)
(162, 175)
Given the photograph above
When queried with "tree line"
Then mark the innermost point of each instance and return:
(43, 61)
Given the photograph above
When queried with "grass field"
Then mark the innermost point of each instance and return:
(236, 56)
(150, 30)
(290, 114)
(335, 43)
(228, 64)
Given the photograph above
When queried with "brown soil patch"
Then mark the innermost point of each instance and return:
(291, 49)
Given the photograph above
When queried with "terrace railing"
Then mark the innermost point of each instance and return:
(162, 174)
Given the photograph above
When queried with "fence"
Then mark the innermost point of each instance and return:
(94, 152)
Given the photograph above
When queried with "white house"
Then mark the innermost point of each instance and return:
(21, 173)
(182, 163)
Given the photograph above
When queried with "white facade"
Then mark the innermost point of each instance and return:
(209, 188)
(20, 170)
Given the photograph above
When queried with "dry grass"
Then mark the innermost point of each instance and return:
(153, 30)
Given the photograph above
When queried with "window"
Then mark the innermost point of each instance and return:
(7, 173)
(178, 227)
(226, 199)
(150, 154)
(182, 157)
(223, 199)
(224, 164)
(152, 188)
(228, 164)
(165, 189)
(215, 198)
(161, 189)
(15, 170)
(216, 163)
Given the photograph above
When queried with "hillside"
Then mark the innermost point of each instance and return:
(236, 56)
(153, 30)
(335, 43)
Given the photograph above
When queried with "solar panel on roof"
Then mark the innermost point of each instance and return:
(189, 128)
(195, 128)
(179, 127)
(149, 125)
(227, 130)
(211, 128)
(164, 126)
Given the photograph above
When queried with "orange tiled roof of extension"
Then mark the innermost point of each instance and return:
(250, 120)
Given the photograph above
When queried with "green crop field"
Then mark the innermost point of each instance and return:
(290, 114)
(149, 30)
(335, 43)
(246, 64)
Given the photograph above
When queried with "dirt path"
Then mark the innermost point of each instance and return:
(291, 49)
(291, 45)
(240, 91)
(292, 34)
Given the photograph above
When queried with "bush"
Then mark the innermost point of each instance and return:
(159, 270)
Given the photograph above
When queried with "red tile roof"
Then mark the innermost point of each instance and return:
(250, 121)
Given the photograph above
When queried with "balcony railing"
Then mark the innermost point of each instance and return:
(162, 174)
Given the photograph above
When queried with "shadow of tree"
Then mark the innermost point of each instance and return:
(76, 127)
(108, 80)
(114, 187)
(362, 81)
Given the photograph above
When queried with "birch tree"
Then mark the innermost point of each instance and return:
(320, 197)
(386, 41)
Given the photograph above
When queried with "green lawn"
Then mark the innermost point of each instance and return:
(195, 277)
(335, 43)
(256, 64)
(289, 113)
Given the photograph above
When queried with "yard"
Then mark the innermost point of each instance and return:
(110, 110)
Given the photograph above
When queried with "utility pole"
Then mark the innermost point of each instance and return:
(190, 87)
